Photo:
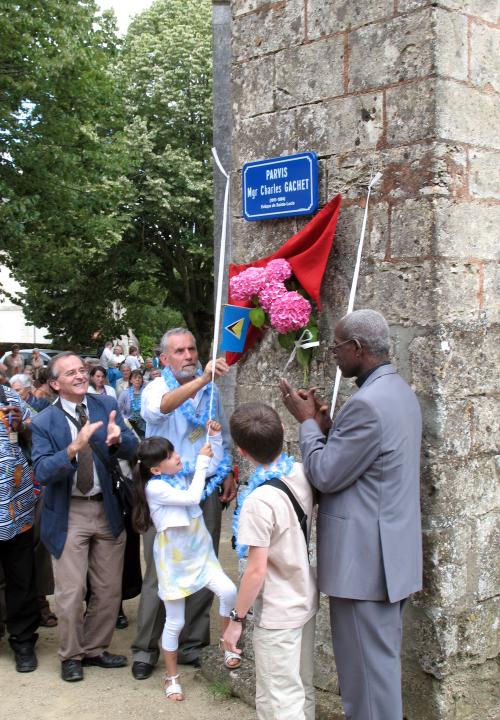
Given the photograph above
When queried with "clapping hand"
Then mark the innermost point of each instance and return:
(322, 416)
(304, 405)
(114, 434)
(83, 437)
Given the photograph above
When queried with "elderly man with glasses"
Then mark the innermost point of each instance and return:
(75, 442)
(366, 469)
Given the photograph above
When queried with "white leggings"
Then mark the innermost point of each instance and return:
(218, 583)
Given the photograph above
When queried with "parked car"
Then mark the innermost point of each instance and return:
(51, 353)
(27, 355)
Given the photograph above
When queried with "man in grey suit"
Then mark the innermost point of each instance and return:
(366, 468)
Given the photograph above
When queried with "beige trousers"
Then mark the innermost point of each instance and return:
(90, 548)
(284, 672)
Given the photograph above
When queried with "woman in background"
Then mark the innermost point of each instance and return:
(124, 382)
(97, 384)
(36, 363)
(129, 403)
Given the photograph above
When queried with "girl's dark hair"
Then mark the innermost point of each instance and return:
(149, 453)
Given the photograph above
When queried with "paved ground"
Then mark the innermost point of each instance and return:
(110, 694)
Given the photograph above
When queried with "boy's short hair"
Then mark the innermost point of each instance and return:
(257, 429)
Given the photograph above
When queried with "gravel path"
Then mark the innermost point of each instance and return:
(110, 694)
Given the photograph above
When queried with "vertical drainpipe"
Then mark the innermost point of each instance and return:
(222, 138)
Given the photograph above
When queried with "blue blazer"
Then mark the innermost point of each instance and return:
(51, 436)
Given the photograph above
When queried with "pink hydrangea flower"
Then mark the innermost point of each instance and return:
(270, 293)
(248, 283)
(290, 312)
(278, 270)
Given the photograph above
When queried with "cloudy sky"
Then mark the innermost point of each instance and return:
(124, 9)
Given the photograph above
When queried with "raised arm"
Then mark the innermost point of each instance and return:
(172, 399)
(218, 453)
(161, 492)
(334, 463)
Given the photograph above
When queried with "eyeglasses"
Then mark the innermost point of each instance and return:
(78, 371)
(337, 345)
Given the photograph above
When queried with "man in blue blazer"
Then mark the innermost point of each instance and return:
(366, 468)
(75, 440)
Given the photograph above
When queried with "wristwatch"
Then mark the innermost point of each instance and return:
(233, 615)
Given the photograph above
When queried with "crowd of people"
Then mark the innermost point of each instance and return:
(66, 436)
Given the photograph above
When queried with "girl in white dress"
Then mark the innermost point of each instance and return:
(183, 551)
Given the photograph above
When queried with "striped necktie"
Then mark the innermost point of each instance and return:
(85, 469)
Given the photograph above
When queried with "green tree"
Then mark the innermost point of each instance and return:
(105, 167)
(166, 73)
(64, 193)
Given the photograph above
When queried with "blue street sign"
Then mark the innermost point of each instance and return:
(280, 187)
(235, 322)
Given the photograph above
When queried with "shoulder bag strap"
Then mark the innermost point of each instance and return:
(301, 516)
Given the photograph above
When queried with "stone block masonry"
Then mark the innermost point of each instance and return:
(410, 88)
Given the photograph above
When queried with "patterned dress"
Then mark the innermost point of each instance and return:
(184, 558)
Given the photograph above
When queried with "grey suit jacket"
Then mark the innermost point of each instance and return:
(367, 472)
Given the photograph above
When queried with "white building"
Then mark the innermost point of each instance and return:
(13, 324)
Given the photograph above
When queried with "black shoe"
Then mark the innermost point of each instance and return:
(141, 670)
(121, 622)
(71, 670)
(195, 662)
(106, 660)
(26, 659)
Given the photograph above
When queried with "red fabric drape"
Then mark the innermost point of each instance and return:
(307, 252)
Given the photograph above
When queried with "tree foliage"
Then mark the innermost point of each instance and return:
(63, 163)
(105, 172)
(166, 72)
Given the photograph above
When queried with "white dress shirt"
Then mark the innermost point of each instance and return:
(70, 408)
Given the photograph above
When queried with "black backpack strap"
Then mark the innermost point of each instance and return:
(301, 516)
(3, 396)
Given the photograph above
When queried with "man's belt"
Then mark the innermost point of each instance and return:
(98, 497)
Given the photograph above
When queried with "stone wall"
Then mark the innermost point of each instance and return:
(410, 88)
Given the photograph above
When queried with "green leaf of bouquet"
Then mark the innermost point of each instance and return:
(304, 357)
(286, 340)
(313, 329)
(257, 317)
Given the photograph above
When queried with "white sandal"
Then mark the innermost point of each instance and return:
(229, 655)
(173, 688)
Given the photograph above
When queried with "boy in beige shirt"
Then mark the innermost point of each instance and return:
(278, 580)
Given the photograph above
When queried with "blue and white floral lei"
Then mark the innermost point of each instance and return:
(187, 407)
(179, 480)
(280, 468)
